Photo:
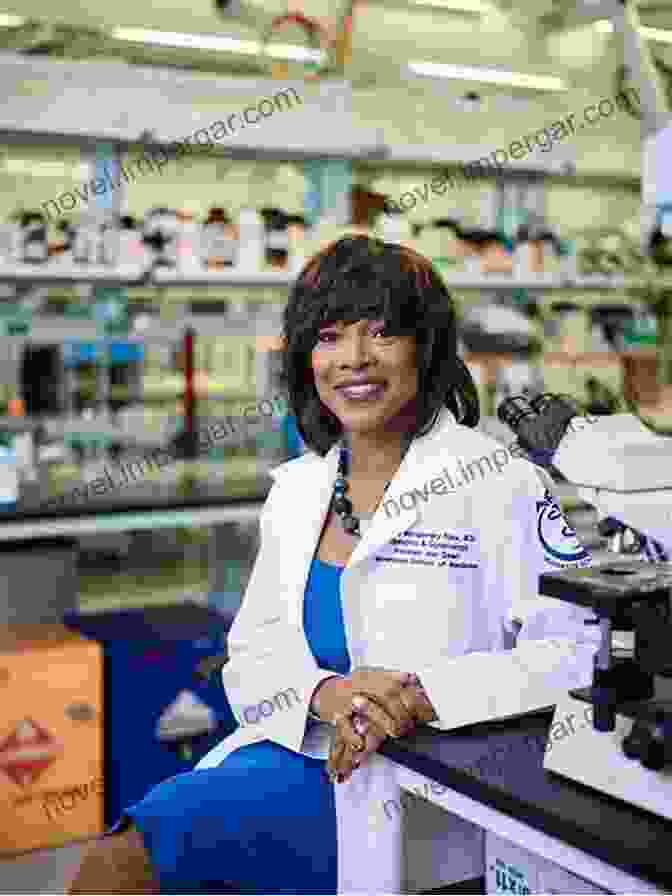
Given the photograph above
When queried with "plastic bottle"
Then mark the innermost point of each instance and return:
(296, 236)
(131, 249)
(10, 243)
(86, 246)
(188, 243)
(219, 241)
(9, 477)
(34, 238)
(252, 240)
(110, 243)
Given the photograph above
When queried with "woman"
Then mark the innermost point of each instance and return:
(365, 598)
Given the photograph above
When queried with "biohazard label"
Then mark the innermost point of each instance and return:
(27, 752)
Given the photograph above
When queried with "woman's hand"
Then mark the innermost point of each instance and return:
(380, 687)
(355, 738)
(383, 704)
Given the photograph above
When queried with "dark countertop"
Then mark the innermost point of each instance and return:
(500, 764)
(141, 497)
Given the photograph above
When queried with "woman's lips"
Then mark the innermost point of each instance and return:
(369, 392)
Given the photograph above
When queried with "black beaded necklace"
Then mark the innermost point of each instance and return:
(342, 505)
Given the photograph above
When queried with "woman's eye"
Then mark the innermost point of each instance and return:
(381, 331)
(326, 337)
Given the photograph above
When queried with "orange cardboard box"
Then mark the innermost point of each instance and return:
(51, 737)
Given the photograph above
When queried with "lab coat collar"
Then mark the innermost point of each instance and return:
(425, 455)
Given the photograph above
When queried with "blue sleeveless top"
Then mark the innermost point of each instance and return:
(323, 617)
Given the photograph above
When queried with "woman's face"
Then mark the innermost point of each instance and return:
(363, 375)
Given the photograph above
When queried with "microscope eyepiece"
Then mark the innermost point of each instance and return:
(512, 410)
(548, 399)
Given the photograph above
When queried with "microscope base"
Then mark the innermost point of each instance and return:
(595, 758)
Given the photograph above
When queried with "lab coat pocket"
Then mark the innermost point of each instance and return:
(422, 611)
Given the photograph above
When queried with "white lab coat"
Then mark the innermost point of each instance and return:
(406, 607)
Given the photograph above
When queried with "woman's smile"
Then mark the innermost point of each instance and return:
(366, 390)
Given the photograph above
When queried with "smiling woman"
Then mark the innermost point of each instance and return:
(382, 401)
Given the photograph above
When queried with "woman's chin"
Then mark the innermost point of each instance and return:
(366, 420)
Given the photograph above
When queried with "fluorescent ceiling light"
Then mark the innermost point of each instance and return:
(487, 76)
(189, 41)
(664, 36)
(604, 26)
(300, 54)
(214, 42)
(457, 5)
(10, 21)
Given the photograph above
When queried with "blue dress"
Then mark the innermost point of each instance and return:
(264, 821)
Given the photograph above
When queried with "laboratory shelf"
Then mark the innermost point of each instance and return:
(449, 158)
(223, 278)
(63, 274)
(541, 282)
(100, 275)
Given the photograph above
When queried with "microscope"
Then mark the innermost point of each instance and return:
(616, 735)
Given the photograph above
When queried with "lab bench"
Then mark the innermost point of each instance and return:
(145, 506)
(491, 775)
(40, 546)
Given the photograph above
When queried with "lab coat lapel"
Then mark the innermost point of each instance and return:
(381, 531)
(415, 471)
(309, 502)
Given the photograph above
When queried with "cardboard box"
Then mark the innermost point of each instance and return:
(51, 737)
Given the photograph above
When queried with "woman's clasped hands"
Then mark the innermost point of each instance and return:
(365, 708)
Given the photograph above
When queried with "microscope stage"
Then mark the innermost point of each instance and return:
(610, 588)
(595, 759)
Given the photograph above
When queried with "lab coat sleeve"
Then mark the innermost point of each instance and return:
(554, 650)
(271, 674)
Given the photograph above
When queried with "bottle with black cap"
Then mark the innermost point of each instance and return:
(219, 240)
(276, 249)
(34, 242)
(160, 231)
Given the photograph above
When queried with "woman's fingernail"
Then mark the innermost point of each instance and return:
(360, 726)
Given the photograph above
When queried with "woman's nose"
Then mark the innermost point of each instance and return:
(355, 350)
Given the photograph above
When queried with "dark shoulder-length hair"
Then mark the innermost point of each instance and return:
(361, 278)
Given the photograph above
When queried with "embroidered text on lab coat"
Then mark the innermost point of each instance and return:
(457, 548)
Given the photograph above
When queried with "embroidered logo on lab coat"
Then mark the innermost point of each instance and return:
(457, 549)
(559, 541)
